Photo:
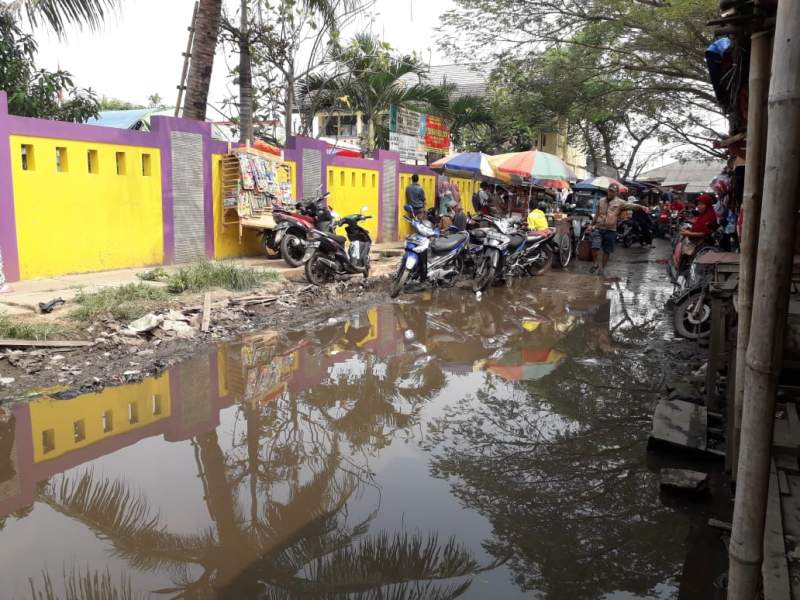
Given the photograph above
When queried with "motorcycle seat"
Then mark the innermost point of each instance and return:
(335, 237)
(447, 243)
(534, 236)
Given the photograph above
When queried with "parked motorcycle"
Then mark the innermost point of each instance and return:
(430, 256)
(502, 252)
(690, 304)
(636, 230)
(293, 227)
(329, 255)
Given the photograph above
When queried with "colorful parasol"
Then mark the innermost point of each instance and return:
(532, 164)
(465, 164)
(529, 364)
(601, 183)
(553, 184)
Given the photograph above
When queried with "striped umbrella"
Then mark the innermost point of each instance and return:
(465, 164)
(602, 183)
(532, 164)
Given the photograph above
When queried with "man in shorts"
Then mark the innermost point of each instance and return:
(604, 227)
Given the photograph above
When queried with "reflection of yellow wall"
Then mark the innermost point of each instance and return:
(428, 183)
(351, 189)
(71, 220)
(53, 422)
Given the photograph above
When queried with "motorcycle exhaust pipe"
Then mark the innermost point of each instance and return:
(329, 263)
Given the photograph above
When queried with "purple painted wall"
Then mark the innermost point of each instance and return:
(160, 137)
(8, 223)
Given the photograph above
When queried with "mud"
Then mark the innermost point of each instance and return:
(117, 359)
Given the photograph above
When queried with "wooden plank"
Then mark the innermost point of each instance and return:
(787, 462)
(44, 344)
(206, 322)
(775, 569)
(725, 526)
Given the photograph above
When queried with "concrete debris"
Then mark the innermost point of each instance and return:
(7, 380)
(684, 479)
(143, 325)
(182, 329)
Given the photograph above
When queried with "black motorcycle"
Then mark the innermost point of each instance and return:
(329, 255)
(639, 229)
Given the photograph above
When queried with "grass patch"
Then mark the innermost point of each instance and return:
(18, 329)
(126, 302)
(205, 275)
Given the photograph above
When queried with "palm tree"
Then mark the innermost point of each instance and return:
(198, 82)
(468, 113)
(369, 79)
(57, 14)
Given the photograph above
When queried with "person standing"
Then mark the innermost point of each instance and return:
(604, 227)
(415, 197)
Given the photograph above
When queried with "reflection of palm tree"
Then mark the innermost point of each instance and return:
(303, 546)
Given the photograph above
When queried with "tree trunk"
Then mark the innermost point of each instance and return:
(290, 82)
(770, 306)
(209, 15)
(245, 80)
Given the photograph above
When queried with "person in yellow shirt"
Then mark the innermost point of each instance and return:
(536, 218)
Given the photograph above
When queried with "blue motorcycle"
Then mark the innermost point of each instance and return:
(430, 256)
(503, 252)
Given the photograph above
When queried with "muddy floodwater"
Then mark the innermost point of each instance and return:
(436, 447)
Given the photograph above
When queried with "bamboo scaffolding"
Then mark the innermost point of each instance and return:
(770, 305)
(760, 55)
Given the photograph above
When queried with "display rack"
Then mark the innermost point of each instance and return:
(253, 183)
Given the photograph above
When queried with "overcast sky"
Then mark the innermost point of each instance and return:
(138, 51)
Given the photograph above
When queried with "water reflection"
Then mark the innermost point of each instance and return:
(260, 470)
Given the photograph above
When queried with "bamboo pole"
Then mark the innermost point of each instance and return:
(751, 205)
(770, 305)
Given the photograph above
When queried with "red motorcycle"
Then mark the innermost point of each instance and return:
(290, 235)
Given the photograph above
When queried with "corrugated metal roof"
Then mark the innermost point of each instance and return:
(123, 119)
(697, 174)
(468, 80)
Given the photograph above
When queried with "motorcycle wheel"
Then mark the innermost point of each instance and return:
(626, 239)
(689, 325)
(316, 274)
(564, 256)
(399, 282)
(291, 253)
(366, 267)
(542, 266)
(484, 275)
(271, 253)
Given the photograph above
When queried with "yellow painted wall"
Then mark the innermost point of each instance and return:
(75, 221)
(351, 189)
(428, 183)
(466, 187)
(291, 175)
(55, 419)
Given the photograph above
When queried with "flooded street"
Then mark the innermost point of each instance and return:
(436, 447)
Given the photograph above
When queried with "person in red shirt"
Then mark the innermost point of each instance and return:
(704, 224)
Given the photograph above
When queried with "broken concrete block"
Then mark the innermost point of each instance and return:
(684, 479)
(143, 325)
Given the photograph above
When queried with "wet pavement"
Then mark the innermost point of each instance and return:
(435, 447)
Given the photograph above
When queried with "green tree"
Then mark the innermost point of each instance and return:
(198, 80)
(369, 78)
(471, 117)
(619, 72)
(36, 92)
(58, 14)
(116, 104)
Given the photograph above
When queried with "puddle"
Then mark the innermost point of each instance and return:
(434, 448)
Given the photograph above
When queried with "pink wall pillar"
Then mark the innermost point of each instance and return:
(8, 226)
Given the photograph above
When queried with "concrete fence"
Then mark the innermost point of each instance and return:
(83, 198)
